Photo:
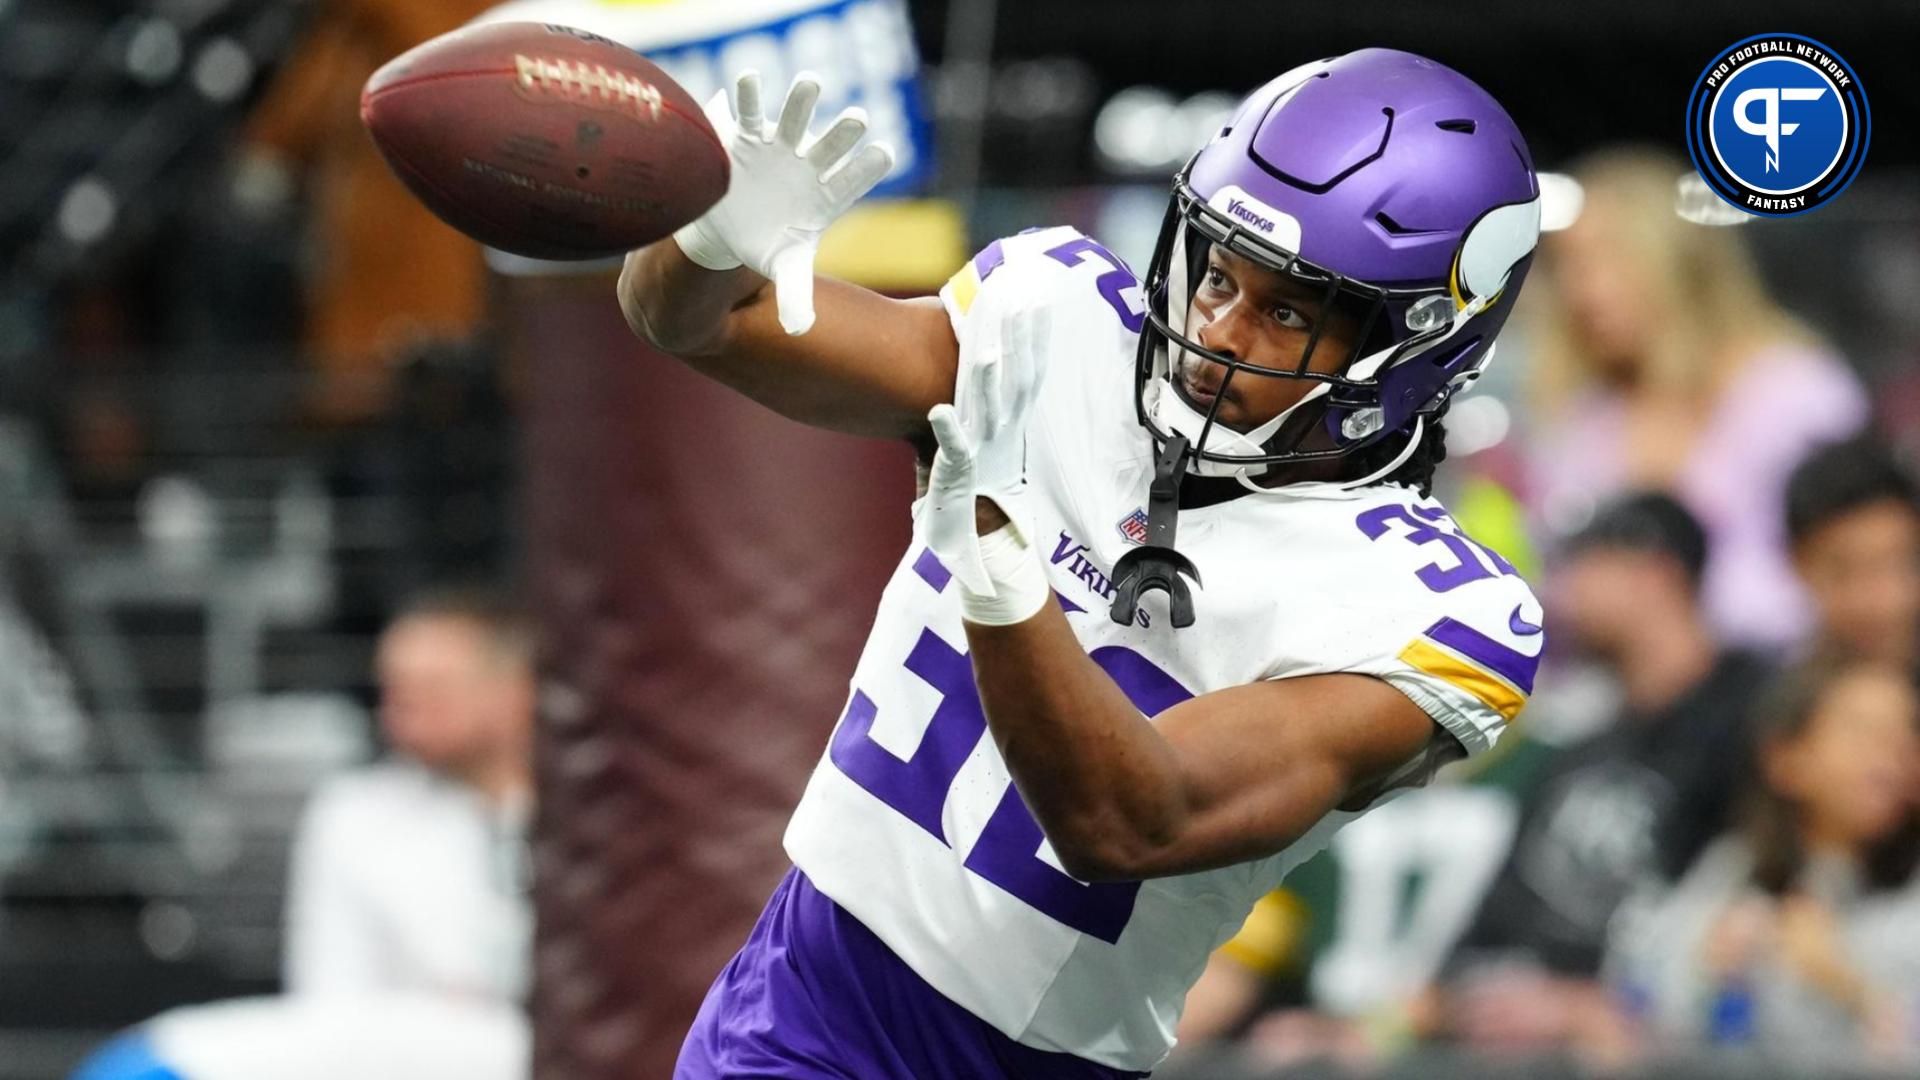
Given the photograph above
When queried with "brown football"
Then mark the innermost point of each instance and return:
(544, 140)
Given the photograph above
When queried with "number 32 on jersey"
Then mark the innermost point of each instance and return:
(1007, 852)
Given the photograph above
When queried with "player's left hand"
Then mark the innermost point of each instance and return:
(946, 512)
(1002, 580)
(993, 392)
(982, 441)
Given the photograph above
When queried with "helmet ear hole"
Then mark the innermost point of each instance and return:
(1361, 423)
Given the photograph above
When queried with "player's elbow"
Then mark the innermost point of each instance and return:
(1105, 850)
(653, 317)
(633, 305)
(1110, 861)
(1092, 865)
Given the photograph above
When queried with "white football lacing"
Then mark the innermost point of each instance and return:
(589, 84)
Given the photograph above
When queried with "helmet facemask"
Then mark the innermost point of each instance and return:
(1339, 414)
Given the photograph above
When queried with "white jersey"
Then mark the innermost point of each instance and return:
(911, 822)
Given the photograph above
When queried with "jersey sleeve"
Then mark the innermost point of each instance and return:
(1011, 274)
(1472, 669)
(1438, 615)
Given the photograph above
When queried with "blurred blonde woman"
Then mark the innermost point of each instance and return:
(1661, 362)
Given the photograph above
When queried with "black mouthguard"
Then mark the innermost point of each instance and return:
(1155, 564)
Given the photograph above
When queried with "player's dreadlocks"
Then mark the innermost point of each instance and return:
(1417, 471)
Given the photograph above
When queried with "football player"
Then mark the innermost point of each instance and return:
(1067, 770)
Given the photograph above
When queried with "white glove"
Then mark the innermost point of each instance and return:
(992, 394)
(1001, 579)
(784, 192)
(982, 441)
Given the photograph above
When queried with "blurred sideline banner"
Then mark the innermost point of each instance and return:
(862, 50)
(704, 573)
(864, 54)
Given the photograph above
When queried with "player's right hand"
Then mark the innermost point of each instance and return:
(786, 189)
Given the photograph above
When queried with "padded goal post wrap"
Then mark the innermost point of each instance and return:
(704, 573)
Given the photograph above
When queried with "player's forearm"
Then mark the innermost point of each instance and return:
(870, 365)
(1104, 786)
(678, 306)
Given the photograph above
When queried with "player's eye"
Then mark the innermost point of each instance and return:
(1215, 279)
(1288, 317)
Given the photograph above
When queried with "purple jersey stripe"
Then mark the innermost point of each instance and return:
(989, 260)
(1516, 667)
(930, 571)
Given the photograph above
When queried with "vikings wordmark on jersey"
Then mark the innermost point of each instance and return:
(911, 822)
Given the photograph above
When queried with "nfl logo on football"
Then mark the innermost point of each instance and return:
(1134, 526)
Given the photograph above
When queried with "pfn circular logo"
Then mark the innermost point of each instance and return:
(1778, 124)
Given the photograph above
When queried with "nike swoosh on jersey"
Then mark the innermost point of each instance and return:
(1519, 625)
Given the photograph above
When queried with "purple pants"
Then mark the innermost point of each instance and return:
(814, 995)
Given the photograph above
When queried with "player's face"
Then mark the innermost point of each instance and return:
(1246, 311)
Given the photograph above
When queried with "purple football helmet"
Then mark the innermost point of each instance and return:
(1397, 189)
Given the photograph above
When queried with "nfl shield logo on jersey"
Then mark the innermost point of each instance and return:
(1134, 527)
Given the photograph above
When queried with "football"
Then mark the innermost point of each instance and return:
(545, 141)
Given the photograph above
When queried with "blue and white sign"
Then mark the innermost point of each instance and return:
(1778, 125)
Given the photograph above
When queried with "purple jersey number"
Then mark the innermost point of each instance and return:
(1118, 286)
(1008, 851)
(1472, 561)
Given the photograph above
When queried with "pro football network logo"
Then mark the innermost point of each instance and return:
(1778, 125)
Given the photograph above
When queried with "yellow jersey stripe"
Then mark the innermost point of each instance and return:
(1499, 696)
(963, 287)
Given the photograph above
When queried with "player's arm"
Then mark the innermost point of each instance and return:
(734, 294)
(870, 365)
(1222, 778)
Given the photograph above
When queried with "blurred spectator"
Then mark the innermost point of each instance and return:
(406, 875)
(1800, 932)
(1368, 923)
(408, 922)
(1664, 365)
(386, 271)
(1853, 517)
(1637, 801)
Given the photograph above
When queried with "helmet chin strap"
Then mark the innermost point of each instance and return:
(1399, 459)
(1175, 415)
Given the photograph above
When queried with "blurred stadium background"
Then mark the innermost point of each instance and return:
(251, 400)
